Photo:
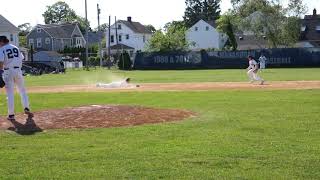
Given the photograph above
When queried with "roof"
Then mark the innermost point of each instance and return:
(7, 26)
(310, 33)
(136, 27)
(59, 30)
(95, 37)
(249, 42)
(120, 46)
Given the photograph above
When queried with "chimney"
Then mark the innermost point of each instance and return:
(129, 19)
(314, 11)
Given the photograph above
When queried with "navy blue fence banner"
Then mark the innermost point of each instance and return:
(290, 57)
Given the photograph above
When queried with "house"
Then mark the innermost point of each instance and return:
(55, 37)
(204, 35)
(250, 42)
(95, 37)
(310, 30)
(9, 30)
(47, 56)
(132, 35)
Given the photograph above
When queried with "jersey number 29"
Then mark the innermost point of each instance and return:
(12, 53)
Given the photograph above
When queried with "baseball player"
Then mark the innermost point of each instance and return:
(253, 71)
(262, 61)
(10, 69)
(118, 84)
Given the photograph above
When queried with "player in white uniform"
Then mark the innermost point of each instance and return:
(262, 61)
(10, 69)
(253, 71)
(118, 84)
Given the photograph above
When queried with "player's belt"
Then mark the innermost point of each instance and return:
(15, 67)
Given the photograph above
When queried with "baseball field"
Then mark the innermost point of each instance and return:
(196, 124)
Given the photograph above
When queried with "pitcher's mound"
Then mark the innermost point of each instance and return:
(99, 116)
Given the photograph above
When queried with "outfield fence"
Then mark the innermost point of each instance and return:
(276, 58)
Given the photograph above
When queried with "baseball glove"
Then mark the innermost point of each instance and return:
(2, 83)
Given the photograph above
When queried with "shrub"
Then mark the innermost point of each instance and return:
(124, 62)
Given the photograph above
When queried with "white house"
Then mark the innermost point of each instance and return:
(9, 30)
(204, 35)
(128, 35)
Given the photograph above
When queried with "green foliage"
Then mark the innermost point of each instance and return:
(23, 41)
(124, 62)
(207, 10)
(296, 8)
(225, 25)
(151, 28)
(60, 12)
(24, 29)
(173, 39)
(267, 18)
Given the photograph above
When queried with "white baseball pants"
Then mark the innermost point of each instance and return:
(12, 77)
(253, 76)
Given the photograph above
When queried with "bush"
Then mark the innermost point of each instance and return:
(124, 62)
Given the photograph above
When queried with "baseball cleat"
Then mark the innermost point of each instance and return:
(28, 112)
(262, 82)
(11, 118)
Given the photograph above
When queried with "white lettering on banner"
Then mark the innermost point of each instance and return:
(232, 54)
(178, 59)
(285, 60)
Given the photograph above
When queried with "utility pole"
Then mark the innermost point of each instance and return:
(99, 31)
(109, 43)
(87, 36)
(116, 28)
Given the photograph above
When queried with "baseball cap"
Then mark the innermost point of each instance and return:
(4, 39)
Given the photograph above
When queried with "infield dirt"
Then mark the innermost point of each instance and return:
(94, 116)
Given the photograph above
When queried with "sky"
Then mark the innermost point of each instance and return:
(155, 12)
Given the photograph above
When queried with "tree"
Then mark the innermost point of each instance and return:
(151, 28)
(172, 39)
(24, 29)
(296, 8)
(266, 19)
(124, 62)
(60, 12)
(207, 10)
(225, 25)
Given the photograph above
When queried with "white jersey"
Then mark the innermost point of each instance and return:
(117, 84)
(11, 56)
(262, 60)
(253, 65)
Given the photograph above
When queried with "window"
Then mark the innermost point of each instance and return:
(318, 28)
(11, 37)
(112, 38)
(38, 30)
(39, 43)
(47, 40)
(127, 36)
(120, 38)
(207, 28)
(119, 26)
(31, 42)
(144, 38)
(303, 28)
(196, 28)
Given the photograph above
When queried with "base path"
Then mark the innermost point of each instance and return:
(183, 87)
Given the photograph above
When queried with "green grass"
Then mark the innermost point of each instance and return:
(79, 77)
(237, 135)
